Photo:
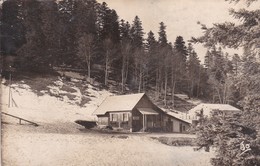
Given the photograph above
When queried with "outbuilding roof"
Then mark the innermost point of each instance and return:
(118, 103)
(207, 108)
(176, 117)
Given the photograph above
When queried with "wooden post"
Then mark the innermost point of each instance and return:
(130, 120)
(9, 100)
(119, 120)
(143, 122)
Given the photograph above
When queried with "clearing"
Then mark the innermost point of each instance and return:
(60, 141)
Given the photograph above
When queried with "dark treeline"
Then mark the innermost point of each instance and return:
(87, 35)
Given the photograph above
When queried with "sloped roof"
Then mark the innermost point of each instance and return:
(174, 115)
(207, 108)
(147, 111)
(118, 103)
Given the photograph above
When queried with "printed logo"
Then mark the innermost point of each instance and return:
(244, 147)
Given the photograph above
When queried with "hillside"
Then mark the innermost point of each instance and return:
(54, 98)
(51, 99)
(55, 103)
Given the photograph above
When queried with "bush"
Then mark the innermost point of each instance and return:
(176, 141)
(68, 89)
(84, 100)
(235, 138)
(70, 96)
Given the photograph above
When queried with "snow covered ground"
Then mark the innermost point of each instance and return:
(58, 140)
(25, 146)
(50, 109)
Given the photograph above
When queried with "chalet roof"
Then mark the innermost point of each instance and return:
(174, 115)
(118, 103)
(147, 111)
(207, 108)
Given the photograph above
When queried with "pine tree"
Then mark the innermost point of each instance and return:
(125, 31)
(108, 24)
(153, 59)
(164, 63)
(137, 33)
(138, 58)
(180, 58)
(207, 59)
(31, 54)
(84, 17)
(12, 28)
(181, 49)
(230, 133)
(230, 136)
(193, 69)
(51, 33)
(68, 40)
(162, 34)
(125, 52)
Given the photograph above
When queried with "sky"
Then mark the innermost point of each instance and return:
(180, 16)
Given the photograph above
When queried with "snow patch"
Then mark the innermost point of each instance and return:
(51, 108)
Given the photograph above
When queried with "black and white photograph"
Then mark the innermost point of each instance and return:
(130, 82)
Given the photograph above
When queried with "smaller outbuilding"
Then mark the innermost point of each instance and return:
(137, 113)
(207, 110)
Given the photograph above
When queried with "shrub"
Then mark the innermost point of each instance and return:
(70, 96)
(68, 89)
(235, 138)
(84, 100)
(176, 141)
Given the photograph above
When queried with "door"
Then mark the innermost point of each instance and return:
(137, 123)
(180, 128)
(169, 125)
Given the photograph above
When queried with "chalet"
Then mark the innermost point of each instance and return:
(207, 110)
(135, 113)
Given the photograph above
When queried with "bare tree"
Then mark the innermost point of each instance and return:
(110, 50)
(85, 51)
(126, 47)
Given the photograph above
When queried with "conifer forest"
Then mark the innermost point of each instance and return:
(91, 38)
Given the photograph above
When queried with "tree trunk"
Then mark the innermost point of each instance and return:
(124, 71)
(140, 80)
(89, 57)
(173, 83)
(165, 88)
(106, 69)
(123, 76)
(198, 85)
(192, 88)
(157, 84)
(173, 91)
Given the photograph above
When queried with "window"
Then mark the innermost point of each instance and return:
(114, 117)
(135, 117)
(103, 120)
(125, 117)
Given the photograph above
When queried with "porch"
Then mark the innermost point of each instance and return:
(150, 119)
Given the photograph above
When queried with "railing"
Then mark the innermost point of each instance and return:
(20, 119)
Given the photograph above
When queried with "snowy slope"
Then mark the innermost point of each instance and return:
(48, 108)
(57, 141)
